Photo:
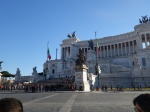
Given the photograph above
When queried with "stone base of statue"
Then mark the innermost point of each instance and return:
(34, 76)
(0, 78)
(81, 82)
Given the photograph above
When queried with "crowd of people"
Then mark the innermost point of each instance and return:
(46, 88)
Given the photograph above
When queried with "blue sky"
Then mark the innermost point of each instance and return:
(27, 25)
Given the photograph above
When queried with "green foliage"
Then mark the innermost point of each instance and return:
(7, 74)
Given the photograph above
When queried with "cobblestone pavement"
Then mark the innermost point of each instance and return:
(75, 101)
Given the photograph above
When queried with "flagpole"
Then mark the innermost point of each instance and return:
(56, 53)
(97, 72)
(96, 48)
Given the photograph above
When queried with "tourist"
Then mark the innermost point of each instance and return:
(111, 87)
(91, 87)
(10, 105)
(142, 103)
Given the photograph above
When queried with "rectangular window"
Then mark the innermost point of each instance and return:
(85, 49)
(53, 71)
(143, 61)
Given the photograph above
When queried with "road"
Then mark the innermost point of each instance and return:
(75, 101)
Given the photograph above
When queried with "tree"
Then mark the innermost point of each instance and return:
(6, 74)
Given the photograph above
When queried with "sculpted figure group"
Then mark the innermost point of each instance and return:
(73, 35)
(81, 58)
(144, 19)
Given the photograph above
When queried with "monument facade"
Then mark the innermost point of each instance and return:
(124, 59)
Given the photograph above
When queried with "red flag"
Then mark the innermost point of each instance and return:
(98, 50)
(48, 54)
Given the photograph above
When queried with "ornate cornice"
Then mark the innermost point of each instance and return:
(143, 27)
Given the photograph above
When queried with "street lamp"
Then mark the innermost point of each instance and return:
(97, 68)
(0, 73)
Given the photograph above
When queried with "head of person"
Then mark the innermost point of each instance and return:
(11, 105)
(142, 103)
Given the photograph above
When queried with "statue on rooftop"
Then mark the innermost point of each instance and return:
(0, 64)
(91, 45)
(73, 34)
(145, 19)
(69, 36)
(34, 69)
(140, 21)
(18, 71)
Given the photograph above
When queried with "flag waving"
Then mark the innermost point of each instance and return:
(48, 52)
(98, 49)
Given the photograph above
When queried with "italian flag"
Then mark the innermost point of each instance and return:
(48, 54)
(98, 49)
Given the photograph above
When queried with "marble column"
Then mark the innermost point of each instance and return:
(145, 40)
(125, 48)
(133, 47)
(110, 50)
(129, 47)
(107, 51)
(104, 51)
(121, 49)
(100, 51)
(118, 49)
(62, 53)
(114, 50)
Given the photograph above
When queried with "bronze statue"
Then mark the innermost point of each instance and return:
(91, 45)
(34, 69)
(81, 58)
(69, 36)
(145, 19)
(0, 64)
(140, 21)
(73, 34)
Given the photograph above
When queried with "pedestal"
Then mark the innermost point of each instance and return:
(81, 81)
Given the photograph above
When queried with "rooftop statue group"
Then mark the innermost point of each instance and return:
(91, 44)
(18, 71)
(144, 19)
(73, 35)
(34, 69)
(0, 64)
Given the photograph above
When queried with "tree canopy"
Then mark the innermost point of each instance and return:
(7, 74)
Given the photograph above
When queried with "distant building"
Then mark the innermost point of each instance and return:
(22, 79)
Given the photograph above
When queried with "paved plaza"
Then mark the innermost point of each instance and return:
(75, 101)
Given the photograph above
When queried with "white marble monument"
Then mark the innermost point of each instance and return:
(18, 75)
(34, 74)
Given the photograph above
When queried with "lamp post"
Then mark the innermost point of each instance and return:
(56, 53)
(97, 66)
(0, 73)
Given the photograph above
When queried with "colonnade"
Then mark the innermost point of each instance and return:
(145, 39)
(65, 52)
(118, 49)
